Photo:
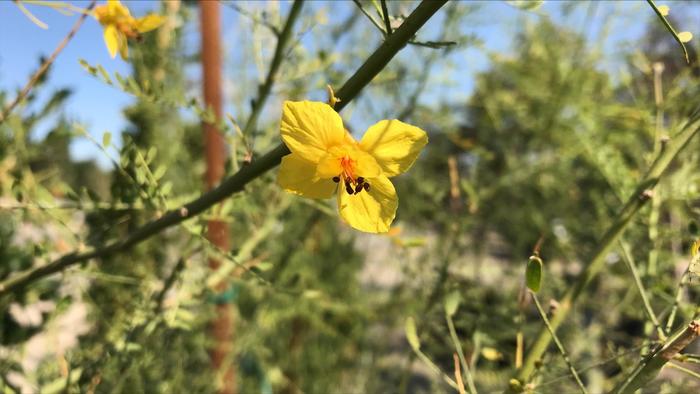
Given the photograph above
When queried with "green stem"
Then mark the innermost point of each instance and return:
(236, 183)
(596, 263)
(654, 214)
(677, 300)
(669, 28)
(457, 344)
(560, 346)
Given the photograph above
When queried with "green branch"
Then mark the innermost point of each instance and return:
(235, 183)
(619, 223)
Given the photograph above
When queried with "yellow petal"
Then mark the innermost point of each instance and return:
(116, 9)
(296, 176)
(370, 211)
(111, 36)
(328, 167)
(394, 144)
(366, 166)
(149, 22)
(310, 128)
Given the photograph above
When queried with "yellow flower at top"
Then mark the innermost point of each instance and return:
(120, 26)
(325, 159)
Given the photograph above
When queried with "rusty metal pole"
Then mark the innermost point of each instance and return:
(215, 151)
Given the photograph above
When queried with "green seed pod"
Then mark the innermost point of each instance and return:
(533, 273)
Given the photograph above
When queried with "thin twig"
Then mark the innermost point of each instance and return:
(385, 14)
(629, 261)
(686, 370)
(252, 17)
(458, 374)
(369, 16)
(655, 210)
(561, 348)
(236, 183)
(458, 346)
(45, 65)
(266, 87)
(169, 282)
(677, 300)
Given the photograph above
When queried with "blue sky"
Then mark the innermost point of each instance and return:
(98, 106)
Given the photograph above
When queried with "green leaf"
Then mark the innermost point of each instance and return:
(106, 139)
(140, 175)
(533, 273)
(84, 64)
(151, 154)
(120, 79)
(133, 86)
(166, 188)
(412, 334)
(264, 266)
(104, 74)
(159, 172)
(452, 303)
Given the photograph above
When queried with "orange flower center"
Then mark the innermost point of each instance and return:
(352, 185)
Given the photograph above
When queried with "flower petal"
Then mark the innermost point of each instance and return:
(111, 36)
(296, 175)
(370, 211)
(116, 9)
(328, 167)
(309, 128)
(394, 144)
(149, 22)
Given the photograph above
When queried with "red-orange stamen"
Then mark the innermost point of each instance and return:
(352, 185)
(348, 168)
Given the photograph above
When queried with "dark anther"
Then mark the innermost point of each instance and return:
(366, 186)
(360, 180)
(348, 189)
(358, 188)
(336, 179)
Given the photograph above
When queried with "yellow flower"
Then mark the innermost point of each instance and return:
(326, 159)
(119, 26)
